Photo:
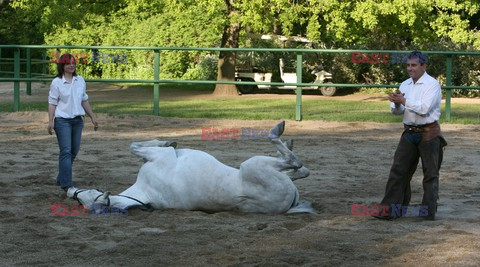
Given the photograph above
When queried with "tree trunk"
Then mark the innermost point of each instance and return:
(226, 59)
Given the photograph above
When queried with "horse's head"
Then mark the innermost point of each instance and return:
(91, 197)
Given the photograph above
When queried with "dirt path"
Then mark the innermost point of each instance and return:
(349, 163)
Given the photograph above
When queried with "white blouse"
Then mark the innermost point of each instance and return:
(68, 97)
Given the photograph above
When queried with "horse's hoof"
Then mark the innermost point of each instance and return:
(276, 132)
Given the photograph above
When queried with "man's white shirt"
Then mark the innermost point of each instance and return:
(68, 97)
(423, 100)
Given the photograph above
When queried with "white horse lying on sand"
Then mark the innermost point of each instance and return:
(189, 179)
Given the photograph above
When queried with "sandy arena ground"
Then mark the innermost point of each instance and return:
(349, 164)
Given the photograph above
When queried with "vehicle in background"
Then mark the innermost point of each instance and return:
(256, 74)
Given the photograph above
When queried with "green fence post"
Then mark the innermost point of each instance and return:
(0, 60)
(449, 91)
(298, 111)
(16, 84)
(156, 76)
(29, 72)
(44, 64)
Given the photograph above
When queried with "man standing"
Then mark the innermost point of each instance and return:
(418, 99)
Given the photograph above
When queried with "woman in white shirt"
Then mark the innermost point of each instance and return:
(67, 105)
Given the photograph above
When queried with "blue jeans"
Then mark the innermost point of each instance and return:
(69, 135)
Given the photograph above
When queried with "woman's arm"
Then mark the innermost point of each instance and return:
(51, 117)
(88, 110)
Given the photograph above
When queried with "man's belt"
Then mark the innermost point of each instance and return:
(420, 128)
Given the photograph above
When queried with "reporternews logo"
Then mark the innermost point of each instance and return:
(397, 210)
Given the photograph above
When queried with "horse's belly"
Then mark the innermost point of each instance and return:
(193, 181)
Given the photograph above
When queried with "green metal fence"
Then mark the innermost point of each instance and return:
(156, 77)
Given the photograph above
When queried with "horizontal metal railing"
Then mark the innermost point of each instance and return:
(156, 79)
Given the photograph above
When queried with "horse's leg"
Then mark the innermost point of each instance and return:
(265, 188)
(259, 165)
(256, 168)
(148, 150)
(282, 147)
(154, 143)
(289, 144)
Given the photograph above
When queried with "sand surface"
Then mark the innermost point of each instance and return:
(349, 164)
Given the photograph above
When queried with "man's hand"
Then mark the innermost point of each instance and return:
(397, 97)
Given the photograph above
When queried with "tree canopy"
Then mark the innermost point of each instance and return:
(356, 24)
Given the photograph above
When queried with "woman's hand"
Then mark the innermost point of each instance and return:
(95, 124)
(88, 110)
(50, 127)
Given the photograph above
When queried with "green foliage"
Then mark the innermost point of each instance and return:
(168, 23)
(22, 28)
(205, 69)
(357, 24)
(395, 24)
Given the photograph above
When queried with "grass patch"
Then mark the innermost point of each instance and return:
(170, 86)
(258, 109)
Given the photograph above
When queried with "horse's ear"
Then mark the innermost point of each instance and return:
(289, 144)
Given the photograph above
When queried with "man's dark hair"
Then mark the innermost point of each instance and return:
(422, 58)
(62, 61)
